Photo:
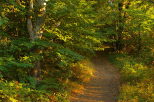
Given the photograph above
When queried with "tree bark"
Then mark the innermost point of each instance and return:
(34, 28)
(29, 20)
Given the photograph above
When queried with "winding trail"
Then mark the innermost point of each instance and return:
(104, 86)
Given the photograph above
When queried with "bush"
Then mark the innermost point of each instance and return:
(137, 79)
(141, 92)
(82, 71)
(18, 92)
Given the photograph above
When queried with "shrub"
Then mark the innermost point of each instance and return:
(19, 92)
(137, 79)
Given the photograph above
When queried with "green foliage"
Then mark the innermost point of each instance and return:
(16, 92)
(3, 20)
(72, 31)
(82, 71)
(137, 79)
(141, 92)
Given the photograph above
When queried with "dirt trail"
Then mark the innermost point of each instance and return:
(104, 86)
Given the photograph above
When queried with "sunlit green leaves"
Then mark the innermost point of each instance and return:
(67, 57)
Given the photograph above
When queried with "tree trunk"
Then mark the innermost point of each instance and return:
(34, 28)
(139, 41)
(121, 21)
(120, 28)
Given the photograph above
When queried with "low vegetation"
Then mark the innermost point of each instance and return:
(137, 80)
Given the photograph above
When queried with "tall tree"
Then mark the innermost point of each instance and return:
(35, 21)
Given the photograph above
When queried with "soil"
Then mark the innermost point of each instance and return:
(104, 86)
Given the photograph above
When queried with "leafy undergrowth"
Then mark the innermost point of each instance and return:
(82, 73)
(49, 90)
(18, 92)
(137, 80)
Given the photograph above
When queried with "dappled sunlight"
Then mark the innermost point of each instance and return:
(103, 87)
(57, 50)
(137, 79)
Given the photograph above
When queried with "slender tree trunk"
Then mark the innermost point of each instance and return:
(29, 20)
(34, 28)
(120, 28)
(139, 41)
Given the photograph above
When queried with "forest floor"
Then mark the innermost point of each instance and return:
(104, 86)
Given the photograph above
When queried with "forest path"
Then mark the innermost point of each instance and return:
(104, 86)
